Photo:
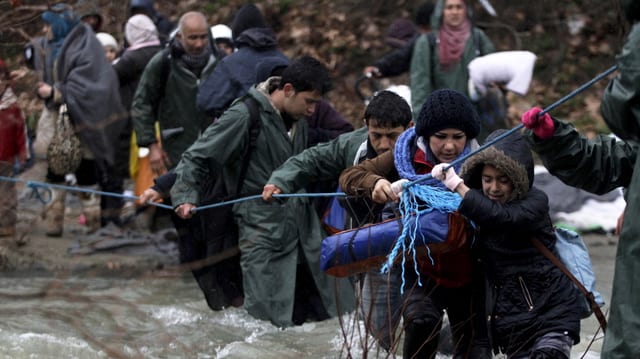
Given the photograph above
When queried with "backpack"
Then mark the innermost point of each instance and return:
(209, 240)
(574, 261)
(573, 253)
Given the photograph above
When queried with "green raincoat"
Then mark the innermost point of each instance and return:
(603, 164)
(174, 104)
(272, 235)
(426, 73)
(324, 161)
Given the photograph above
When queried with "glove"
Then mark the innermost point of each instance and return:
(448, 178)
(542, 126)
(398, 185)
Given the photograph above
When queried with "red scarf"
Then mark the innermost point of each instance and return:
(452, 42)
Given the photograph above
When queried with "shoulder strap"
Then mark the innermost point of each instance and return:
(594, 306)
(254, 131)
(433, 60)
(165, 69)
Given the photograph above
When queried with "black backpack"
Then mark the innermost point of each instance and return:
(209, 240)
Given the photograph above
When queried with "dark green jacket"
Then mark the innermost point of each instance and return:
(174, 108)
(324, 161)
(599, 166)
(271, 235)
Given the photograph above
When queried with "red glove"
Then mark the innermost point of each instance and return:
(542, 126)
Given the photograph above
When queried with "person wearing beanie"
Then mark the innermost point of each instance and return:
(444, 132)
(109, 44)
(534, 310)
(13, 146)
(236, 73)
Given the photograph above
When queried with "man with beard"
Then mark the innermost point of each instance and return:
(167, 91)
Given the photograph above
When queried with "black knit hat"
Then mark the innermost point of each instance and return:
(447, 109)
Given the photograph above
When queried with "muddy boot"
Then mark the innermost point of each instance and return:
(54, 213)
(90, 203)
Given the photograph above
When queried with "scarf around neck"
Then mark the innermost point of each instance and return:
(452, 43)
(195, 63)
(403, 157)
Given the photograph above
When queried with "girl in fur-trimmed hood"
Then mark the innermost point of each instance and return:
(531, 305)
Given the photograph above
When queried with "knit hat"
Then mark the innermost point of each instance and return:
(247, 17)
(447, 108)
(400, 32)
(270, 66)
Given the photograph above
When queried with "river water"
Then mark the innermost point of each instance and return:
(150, 318)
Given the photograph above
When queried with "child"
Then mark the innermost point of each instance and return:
(12, 146)
(445, 130)
(532, 310)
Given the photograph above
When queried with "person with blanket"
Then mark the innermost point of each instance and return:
(531, 304)
(444, 131)
(78, 74)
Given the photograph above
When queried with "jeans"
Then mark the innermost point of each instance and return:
(381, 305)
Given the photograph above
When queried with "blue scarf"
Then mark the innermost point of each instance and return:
(418, 199)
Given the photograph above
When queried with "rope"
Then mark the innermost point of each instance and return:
(417, 199)
(38, 187)
(520, 126)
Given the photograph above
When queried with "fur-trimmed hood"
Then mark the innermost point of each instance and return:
(511, 155)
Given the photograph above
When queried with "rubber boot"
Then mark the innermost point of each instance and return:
(90, 203)
(54, 213)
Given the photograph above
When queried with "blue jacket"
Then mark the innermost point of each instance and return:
(236, 73)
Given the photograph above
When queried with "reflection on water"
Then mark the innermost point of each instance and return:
(143, 318)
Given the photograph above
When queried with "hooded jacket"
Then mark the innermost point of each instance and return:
(236, 73)
(272, 236)
(601, 165)
(528, 295)
(426, 74)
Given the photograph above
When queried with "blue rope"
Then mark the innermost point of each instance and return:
(520, 126)
(38, 187)
(258, 196)
(411, 210)
(416, 195)
(41, 186)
